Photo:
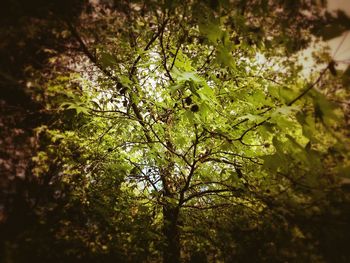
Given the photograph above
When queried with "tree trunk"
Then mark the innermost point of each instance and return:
(171, 252)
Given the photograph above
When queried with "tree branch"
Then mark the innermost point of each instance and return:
(94, 61)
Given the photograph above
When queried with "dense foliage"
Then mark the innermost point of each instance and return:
(182, 131)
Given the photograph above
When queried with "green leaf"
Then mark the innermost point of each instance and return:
(78, 107)
(107, 60)
(324, 109)
(252, 118)
(206, 93)
(225, 57)
(211, 30)
(175, 87)
(183, 76)
(273, 162)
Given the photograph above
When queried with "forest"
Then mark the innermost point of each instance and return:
(173, 131)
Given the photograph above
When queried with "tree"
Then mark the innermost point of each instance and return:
(199, 108)
(28, 39)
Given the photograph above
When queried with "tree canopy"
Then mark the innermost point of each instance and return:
(178, 131)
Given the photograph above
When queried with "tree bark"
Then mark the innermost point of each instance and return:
(171, 251)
